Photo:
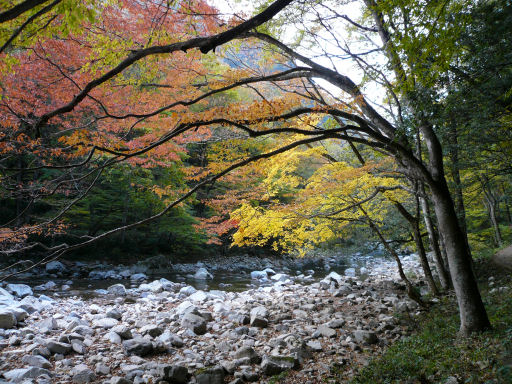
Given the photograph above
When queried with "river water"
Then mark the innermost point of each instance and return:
(359, 265)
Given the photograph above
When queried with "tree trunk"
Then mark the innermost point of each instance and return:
(491, 203)
(413, 223)
(473, 316)
(444, 278)
(453, 152)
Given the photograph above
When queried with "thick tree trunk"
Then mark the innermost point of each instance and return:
(453, 152)
(473, 316)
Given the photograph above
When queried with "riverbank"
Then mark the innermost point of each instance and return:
(434, 353)
(164, 331)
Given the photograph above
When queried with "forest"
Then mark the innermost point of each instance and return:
(188, 129)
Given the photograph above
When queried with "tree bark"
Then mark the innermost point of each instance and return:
(473, 316)
(433, 238)
(491, 204)
(415, 228)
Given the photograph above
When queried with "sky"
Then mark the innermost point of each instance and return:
(345, 67)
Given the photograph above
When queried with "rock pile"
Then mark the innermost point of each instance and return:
(167, 332)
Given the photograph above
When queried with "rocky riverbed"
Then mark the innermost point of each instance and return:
(164, 331)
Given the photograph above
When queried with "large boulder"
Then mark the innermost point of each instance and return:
(55, 267)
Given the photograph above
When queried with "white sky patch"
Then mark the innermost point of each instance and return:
(326, 43)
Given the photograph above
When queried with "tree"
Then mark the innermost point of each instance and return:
(358, 120)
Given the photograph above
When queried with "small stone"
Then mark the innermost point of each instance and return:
(55, 267)
(365, 337)
(36, 361)
(7, 319)
(78, 347)
(195, 323)
(105, 323)
(123, 331)
(19, 290)
(114, 313)
(259, 317)
(82, 375)
(213, 375)
(120, 380)
(102, 369)
(17, 375)
(117, 290)
(315, 346)
(325, 331)
(248, 352)
(274, 365)
(151, 330)
(173, 373)
(57, 347)
(138, 347)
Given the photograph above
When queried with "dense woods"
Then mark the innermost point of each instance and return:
(145, 127)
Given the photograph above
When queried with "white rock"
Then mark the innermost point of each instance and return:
(6, 298)
(105, 323)
(117, 289)
(155, 287)
(187, 291)
(185, 307)
(280, 277)
(198, 296)
(259, 275)
(20, 290)
(202, 274)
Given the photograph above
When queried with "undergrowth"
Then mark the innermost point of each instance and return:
(435, 352)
